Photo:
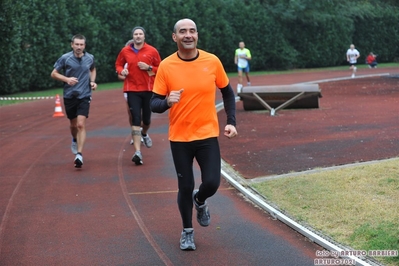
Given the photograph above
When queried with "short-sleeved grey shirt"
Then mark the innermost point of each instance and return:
(79, 68)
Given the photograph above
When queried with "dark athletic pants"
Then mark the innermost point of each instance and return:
(138, 101)
(207, 154)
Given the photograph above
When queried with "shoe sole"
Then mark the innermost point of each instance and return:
(191, 248)
(137, 160)
(78, 164)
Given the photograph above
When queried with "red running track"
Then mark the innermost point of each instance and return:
(112, 212)
(357, 121)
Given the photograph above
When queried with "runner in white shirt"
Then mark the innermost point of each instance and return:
(241, 57)
(351, 56)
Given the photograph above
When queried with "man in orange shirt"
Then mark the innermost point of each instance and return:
(138, 63)
(185, 85)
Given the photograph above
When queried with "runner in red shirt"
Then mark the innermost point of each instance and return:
(138, 62)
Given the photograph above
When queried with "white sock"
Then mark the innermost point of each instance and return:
(239, 87)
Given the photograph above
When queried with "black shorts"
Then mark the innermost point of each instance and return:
(75, 107)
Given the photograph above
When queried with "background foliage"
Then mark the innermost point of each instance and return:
(281, 34)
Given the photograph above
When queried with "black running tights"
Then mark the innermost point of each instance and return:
(207, 154)
(139, 105)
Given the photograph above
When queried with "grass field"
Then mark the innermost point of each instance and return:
(356, 206)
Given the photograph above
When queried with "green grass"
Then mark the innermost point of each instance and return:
(377, 237)
(360, 66)
(356, 206)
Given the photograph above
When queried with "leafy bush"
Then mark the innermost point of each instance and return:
(281, 34)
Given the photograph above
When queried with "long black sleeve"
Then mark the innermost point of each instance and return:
(229, 103)
(158, 103)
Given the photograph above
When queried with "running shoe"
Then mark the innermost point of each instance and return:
(137, 158)
(203, 215)
(147, 141)
(78, 160)
(187, 239)
(74, 147)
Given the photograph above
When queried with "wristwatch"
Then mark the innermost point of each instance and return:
(149, 68)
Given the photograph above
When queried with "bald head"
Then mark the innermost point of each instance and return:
(184, 21)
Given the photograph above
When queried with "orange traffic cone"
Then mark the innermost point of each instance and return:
(58, 108)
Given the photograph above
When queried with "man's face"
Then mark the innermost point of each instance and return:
(78, 46)
(138, 36)
(186, 35)
(241, 45)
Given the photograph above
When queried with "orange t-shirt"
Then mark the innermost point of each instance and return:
(194, 117)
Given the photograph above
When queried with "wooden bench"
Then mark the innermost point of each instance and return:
(278, 97)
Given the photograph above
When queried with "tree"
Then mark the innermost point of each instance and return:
(281, 34)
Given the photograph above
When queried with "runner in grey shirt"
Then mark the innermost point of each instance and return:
(79, 75)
